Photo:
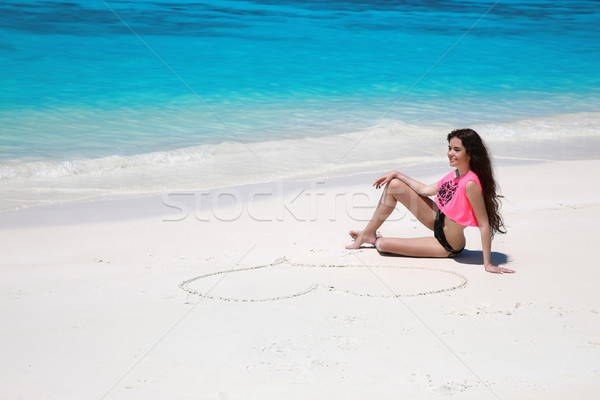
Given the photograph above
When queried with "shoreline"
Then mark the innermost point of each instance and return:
(131, 207)
(144, 205)
(392, 145)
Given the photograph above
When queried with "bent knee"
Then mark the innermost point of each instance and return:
(397, 186)
(390, 245)
(380, 245)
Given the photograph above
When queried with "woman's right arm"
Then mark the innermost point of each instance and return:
(420, 188)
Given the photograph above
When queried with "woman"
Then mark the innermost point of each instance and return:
(467, 196)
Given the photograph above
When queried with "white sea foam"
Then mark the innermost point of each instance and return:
(569, 125)
(56, 169)
(390, 144)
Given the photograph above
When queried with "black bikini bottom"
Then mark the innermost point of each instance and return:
(438, 232)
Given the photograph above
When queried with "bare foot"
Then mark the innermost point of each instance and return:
(354, 234)
(360, 238)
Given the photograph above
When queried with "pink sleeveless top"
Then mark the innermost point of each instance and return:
(452, 198)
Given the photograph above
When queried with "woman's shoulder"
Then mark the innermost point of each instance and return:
(471, 177)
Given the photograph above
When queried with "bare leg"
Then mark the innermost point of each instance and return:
(396, 191)
(412, 247)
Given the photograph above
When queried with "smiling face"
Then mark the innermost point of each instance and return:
(457, 154)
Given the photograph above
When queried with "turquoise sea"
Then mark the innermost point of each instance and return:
(108, 98)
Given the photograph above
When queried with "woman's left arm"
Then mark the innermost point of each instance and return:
(476, 199)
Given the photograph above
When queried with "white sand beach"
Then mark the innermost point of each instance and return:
(93, 305)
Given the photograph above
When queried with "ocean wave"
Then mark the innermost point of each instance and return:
(208, 154)
(56, 169)
(566, 125)
(384, 141)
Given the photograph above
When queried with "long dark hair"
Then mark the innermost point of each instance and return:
(481, 164)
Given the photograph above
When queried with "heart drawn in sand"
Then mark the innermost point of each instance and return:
(283, 279)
